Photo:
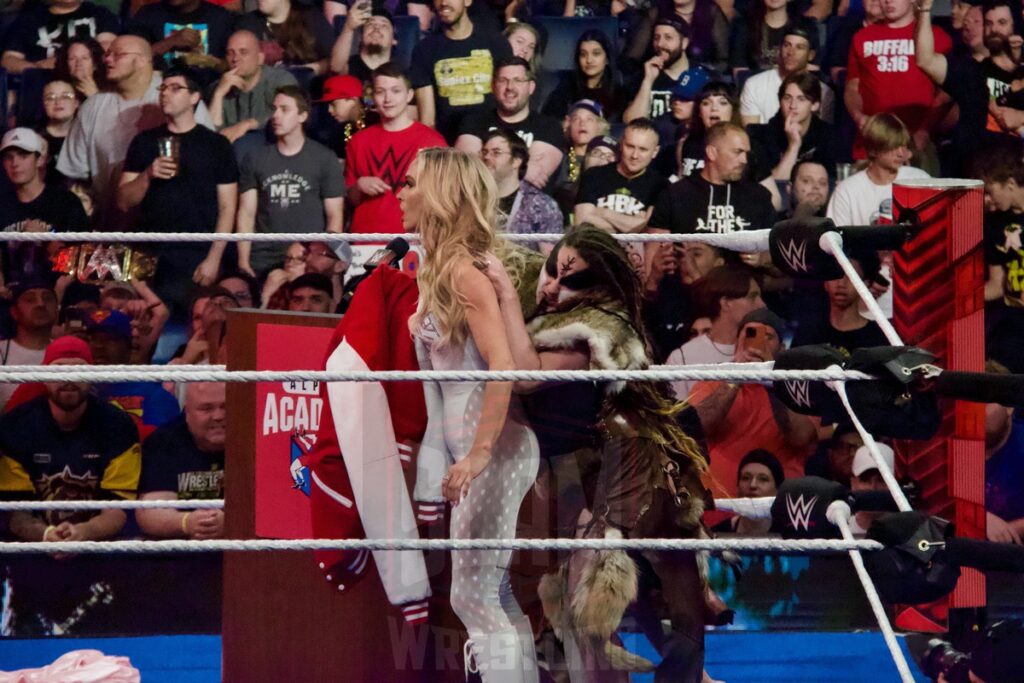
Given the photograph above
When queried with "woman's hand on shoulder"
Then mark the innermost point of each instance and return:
(500, 280)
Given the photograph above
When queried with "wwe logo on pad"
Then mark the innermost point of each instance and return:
(795, 255)
(799, 511)
(799, 391)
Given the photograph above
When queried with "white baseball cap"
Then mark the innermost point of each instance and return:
(862, 460)
(25, 139)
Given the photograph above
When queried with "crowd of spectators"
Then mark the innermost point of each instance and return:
(281, 116)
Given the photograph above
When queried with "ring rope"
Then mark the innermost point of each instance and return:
(738, 372)
(746, 240)
(754, 508)
(839, 514)
(835, 241)
(751, 545)
(883, 467)
(62, 369)
(50, 505)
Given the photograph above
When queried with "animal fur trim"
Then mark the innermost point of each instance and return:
(621, 659)
(607, 585)
(551, 591)
(601, 326)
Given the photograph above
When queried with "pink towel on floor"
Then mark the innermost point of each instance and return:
(78, 666)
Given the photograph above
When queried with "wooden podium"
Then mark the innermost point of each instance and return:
(281, 620)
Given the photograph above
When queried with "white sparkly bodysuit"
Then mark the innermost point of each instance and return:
(500, 636)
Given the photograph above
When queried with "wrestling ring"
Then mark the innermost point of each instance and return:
(836, 378)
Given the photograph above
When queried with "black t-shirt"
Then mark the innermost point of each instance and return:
(460, 72)
(505, 204)
(661, 95)
(1003, 248)
(188, 201)
(159, 20)
(57, 207)
(53, 146)
(695, 205)
(966, 84)
(823, 333)
(171, 461)
(97, 460)
(533, 127)
(606, 188)
(37, 34)
(358, 68)
(817, 145)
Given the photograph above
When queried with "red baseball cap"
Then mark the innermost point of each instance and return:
(67, 347)
(342, 88)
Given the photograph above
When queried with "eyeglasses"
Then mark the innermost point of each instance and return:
(172, 88)
(486, 153)
(503, 82)
(53, 97)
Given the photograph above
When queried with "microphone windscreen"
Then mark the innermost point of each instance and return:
(399, 247)
(982, 387)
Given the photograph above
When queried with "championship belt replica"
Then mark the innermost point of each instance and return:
(104, 262)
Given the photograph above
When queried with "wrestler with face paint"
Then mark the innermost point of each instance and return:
(605, 443)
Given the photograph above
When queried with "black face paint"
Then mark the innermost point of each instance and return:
(551, 265)
(581, 279)
(567, 265)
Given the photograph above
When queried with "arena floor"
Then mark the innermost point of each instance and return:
(748, 657)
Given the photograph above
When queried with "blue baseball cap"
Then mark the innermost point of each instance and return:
(690, 83)
(114, 323)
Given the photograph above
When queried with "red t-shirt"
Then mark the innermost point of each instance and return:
(387, 155)
(750, 426)
(883, 59)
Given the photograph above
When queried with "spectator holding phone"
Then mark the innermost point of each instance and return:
(738, 418)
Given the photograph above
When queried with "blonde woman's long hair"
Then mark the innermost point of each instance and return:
(457, 224)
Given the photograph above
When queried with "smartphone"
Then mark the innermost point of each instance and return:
(756, 337)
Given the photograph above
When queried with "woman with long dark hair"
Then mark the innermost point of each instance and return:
(757, 37)
(590, 316)
(291, 34)
(80, 62)
(593, 78)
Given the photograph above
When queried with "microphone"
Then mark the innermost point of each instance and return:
(390, 255)
(981, 387)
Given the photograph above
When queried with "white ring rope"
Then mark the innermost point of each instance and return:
(61, 369)
(744, 241)
(883, 467)
(835, 242)
(48, 505)
(737, 372)
(751, 545)
(751, 508)
(839, 514)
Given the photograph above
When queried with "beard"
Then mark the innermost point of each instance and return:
(373, 49)
(68, 396)
(671, 57)
(997, 44)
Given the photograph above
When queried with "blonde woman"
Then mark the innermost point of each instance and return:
(478, 452)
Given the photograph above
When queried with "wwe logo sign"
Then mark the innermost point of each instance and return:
(799, 511)
(795, 255)
(800, 391)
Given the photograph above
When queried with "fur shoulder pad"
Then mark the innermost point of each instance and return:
(602, 327)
